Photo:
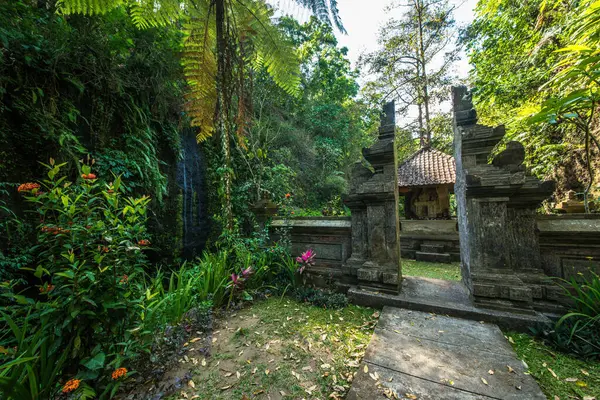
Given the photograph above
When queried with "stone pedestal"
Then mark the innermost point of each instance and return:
(496, 202)
(373, 201)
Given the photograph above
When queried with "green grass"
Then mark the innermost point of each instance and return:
(448, 272)
(284, 349)
(575, 378)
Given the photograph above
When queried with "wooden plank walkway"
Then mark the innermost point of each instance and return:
(417, 355)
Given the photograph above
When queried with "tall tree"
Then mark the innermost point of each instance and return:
(221, 36)
(414, 62)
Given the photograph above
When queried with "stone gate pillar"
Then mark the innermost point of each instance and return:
(373, 201)
(497, 202)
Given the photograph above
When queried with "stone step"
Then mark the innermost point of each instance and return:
(433, 257)
(432, 248)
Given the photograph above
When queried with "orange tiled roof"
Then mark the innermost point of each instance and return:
(427, 167)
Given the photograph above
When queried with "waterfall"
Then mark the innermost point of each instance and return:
(191, 182)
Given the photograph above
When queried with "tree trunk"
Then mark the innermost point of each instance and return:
(420, 104)
(221, 126)
(423, 61)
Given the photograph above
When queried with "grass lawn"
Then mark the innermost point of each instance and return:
(279, 349)
(449, 272)
(559, 375)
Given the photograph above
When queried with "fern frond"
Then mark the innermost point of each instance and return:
(87, 7)
(200, 70)
(152, 13)
(324, 10)
(271, 50)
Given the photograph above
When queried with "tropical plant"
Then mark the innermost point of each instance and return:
(583, 320)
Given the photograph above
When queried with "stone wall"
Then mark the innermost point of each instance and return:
(569, 244)
(329, 237)
(430, 236)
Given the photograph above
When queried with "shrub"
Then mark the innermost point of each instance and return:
(321, 298)
(88, 282)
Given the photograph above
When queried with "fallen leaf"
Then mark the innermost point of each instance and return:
(518, 387)
(581, 384)
(282, 393)
(484, 381)
(510, 369)
(325, 366)
(510, 339)
(366, 369)
(228, 374)
(191, 384)
(240, 353)
(237, 373)
(311, 389)
(214, 340)
(257, 392)
(267, 372)
(226, 387)
(491, 372)
(589, 398)
(203, 362)
(571, 380)
(556, 397)
(410, 396)
(254, 371)
(375, 314)
(583, 371)
(553, 373)
(194, 340)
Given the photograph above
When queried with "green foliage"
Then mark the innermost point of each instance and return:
(304, 146)
(70, 86)
(530, 57)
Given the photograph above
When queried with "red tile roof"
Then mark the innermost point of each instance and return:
(427, 167)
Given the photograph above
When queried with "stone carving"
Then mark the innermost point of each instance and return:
(373, 200)
(500, 252)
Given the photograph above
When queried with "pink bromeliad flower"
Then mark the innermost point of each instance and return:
(305, 260)
(247, 272)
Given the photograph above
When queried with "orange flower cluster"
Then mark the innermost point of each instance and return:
(71, 385)
(88, 176)
(288, 195)
(144, 242)
(28, 187)
(54, 230)
(47, 289)
(119, 372)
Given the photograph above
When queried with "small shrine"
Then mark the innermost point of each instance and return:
(426, 180)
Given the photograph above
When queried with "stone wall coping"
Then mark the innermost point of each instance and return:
(316, 222)
(573, 216)
(584, 223)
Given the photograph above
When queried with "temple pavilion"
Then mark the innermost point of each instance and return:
(426, 180)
